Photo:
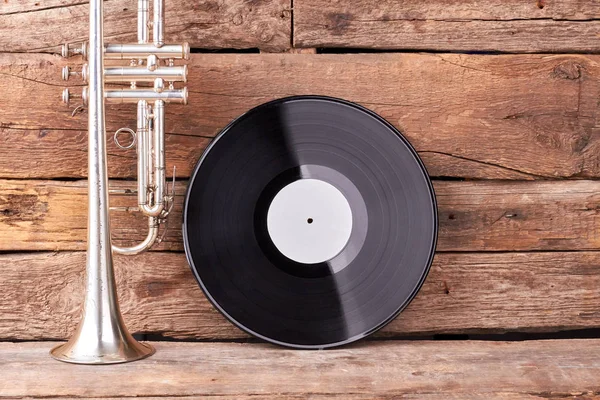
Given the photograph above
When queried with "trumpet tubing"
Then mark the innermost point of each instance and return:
(142, 23)
(130, 51)
(101, 336)
(136, 74)
(178, 96)
(141, 50)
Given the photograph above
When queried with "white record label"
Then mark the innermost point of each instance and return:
(309, 221)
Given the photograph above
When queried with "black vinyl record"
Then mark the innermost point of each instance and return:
(310, 222)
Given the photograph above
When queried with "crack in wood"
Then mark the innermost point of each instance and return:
(16, 127)
(441, 57)
(190, 135)
(226, 94)
(30, 79)
(463, 20)
(565, 395)
(490, 164)
(46, 8)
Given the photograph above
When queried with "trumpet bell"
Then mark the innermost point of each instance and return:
(124, 351)
(114, 346)
(101, 336)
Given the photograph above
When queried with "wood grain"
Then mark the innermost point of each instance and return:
(41, 295)
(472, 25)
(476, 395)
(40, 26)
(353, 396)
(472, 116)
(474, 216)
(532, 370)
(52, 215)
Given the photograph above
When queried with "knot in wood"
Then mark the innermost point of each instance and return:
(18, 208)
(339, 22)
(266, 35)
(238, 19)
(568, 70)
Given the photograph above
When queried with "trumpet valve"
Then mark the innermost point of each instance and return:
(69, 50)
(67, 96)
(67, 73)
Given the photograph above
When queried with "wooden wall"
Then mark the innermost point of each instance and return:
(500, 99)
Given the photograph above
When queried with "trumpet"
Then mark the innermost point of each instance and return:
(101, 336)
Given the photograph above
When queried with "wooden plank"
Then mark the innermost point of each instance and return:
(474, 216)
(385, 370)
(471, 25)
(40, 26)
(509, 216)
(353, 396)
(570, 10)
(52, 215)
(41, 295)
(473, 116)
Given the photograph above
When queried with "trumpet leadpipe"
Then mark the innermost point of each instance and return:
(143, 74)
(143, 50)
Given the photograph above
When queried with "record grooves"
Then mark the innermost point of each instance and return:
(310, 222)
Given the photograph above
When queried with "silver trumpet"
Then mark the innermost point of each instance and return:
(101, 337)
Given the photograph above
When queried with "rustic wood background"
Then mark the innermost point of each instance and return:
(387, 370)
(500, 98)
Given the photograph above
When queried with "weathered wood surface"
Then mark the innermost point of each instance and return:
(41, 295)
(473, 116)
(353, 396)
(52, 215)
(511, 26)
(471, 25)
(476, 395)
(532, 370)
(474, 216)
(42, 26)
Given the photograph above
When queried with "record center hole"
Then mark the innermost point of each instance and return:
(310, 220)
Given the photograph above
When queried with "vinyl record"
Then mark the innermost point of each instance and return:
(310, 222)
